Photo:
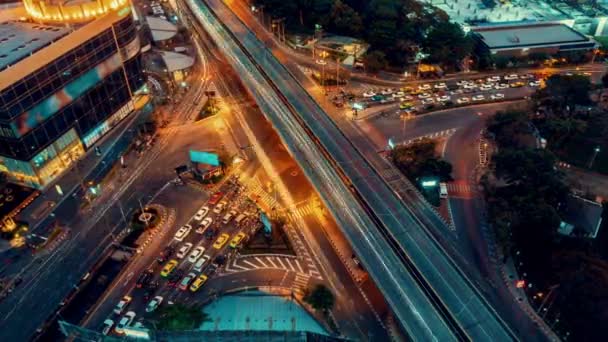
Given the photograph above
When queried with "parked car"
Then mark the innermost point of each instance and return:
(236, 240)
(511, 77)
(369, 94)
(215, 198)
(497, 96)
(220, 207)
(463, 100)
(169, 267)
(125, 321)
(107, 326)
(154, 304)
(428, 101)
(122, 304)
(201, 213)
(440, 86)
(183, 250)
(204, 225)
(478, 98)
(424, 96)
(221, 241)
(443, 98)
(195, 254)
(182, 232)
(198, 283)
(201, 262)
(183, 285)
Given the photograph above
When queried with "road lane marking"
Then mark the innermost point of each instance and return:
(290, 265)
(299, 267)
(271, 262)
(239, 266)
(281, 262)
(250, 263)
(261, 262)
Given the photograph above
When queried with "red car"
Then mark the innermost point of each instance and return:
(216, 197)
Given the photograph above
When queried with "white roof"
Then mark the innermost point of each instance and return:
(176, 61)
(161, 29)
(516, 36)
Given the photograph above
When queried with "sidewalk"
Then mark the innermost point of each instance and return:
(111, 146)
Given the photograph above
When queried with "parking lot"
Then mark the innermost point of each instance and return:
(429, 96)
(199, 248)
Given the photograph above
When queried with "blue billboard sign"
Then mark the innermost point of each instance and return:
(205, 158)
(266, 222)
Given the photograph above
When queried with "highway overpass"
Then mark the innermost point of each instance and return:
(429, 295)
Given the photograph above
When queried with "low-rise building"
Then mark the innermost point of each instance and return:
(516, 40)
(580, 217)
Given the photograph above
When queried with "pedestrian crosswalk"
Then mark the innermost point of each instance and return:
(300, 282)
(301, 211)
(247, 263)
(256, 192)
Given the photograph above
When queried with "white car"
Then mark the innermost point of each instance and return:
(321, 61)
(498, 96)
(124, 302)
(440, 85)
(200, 263)
(107, 326)
(204, 225)
(493, 79)
(501, 86)
(470, 86)
(387, 91)
(201, 213)
(398, 95)
(534, 84)
(195, 254)
(443, 98)
(124, 322)
(183, 250)
(456, 92)
(478, 98)
(424, 87)
(485, 87)
(182, 232)
(462, 83)
(407, 98)
(424, 96)
(219, 207)
(428, 101)
(154, 304)
(511, 77)
(463, 100)
(369, 94)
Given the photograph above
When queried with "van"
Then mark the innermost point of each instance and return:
(443, 190)
(240, 218)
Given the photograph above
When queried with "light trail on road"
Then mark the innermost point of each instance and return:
(327, 157)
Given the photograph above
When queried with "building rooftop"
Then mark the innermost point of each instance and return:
(510, 36)
(20, 39)
(581, 217)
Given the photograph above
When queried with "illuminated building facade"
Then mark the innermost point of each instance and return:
(63, 87)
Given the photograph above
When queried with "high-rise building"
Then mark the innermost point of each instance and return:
(69, 73)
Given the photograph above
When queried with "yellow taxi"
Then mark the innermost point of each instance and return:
(198, 283)
(237, 240)
(406, 105)
(169, 267)
(221, 241)
(407, 90)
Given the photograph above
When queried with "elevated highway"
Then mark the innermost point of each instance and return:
(429, 295)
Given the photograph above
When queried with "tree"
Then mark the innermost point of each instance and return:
(320, 298)
(567, 91)
(605, 80)
(344, 20)
(375, 60)
(420, 159)
(447, 44)
(510, 128)
(178, 317)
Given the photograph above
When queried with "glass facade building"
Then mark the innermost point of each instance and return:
(51, 116)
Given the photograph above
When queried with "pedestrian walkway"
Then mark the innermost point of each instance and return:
(300, 212)
(460, 188)
(300, 283)
(256, 192)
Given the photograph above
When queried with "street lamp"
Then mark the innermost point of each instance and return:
(596, 150)
(323, 54)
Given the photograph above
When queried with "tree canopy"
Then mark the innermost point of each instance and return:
(178, 317)
(320, 298)
(421, 159)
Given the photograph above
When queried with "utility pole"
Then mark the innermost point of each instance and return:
(596, 150)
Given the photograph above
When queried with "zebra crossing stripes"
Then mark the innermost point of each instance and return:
(300, 282)
(301, 211)
(459, 187)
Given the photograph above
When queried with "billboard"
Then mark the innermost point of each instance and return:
(266, 222)
(204, 158)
